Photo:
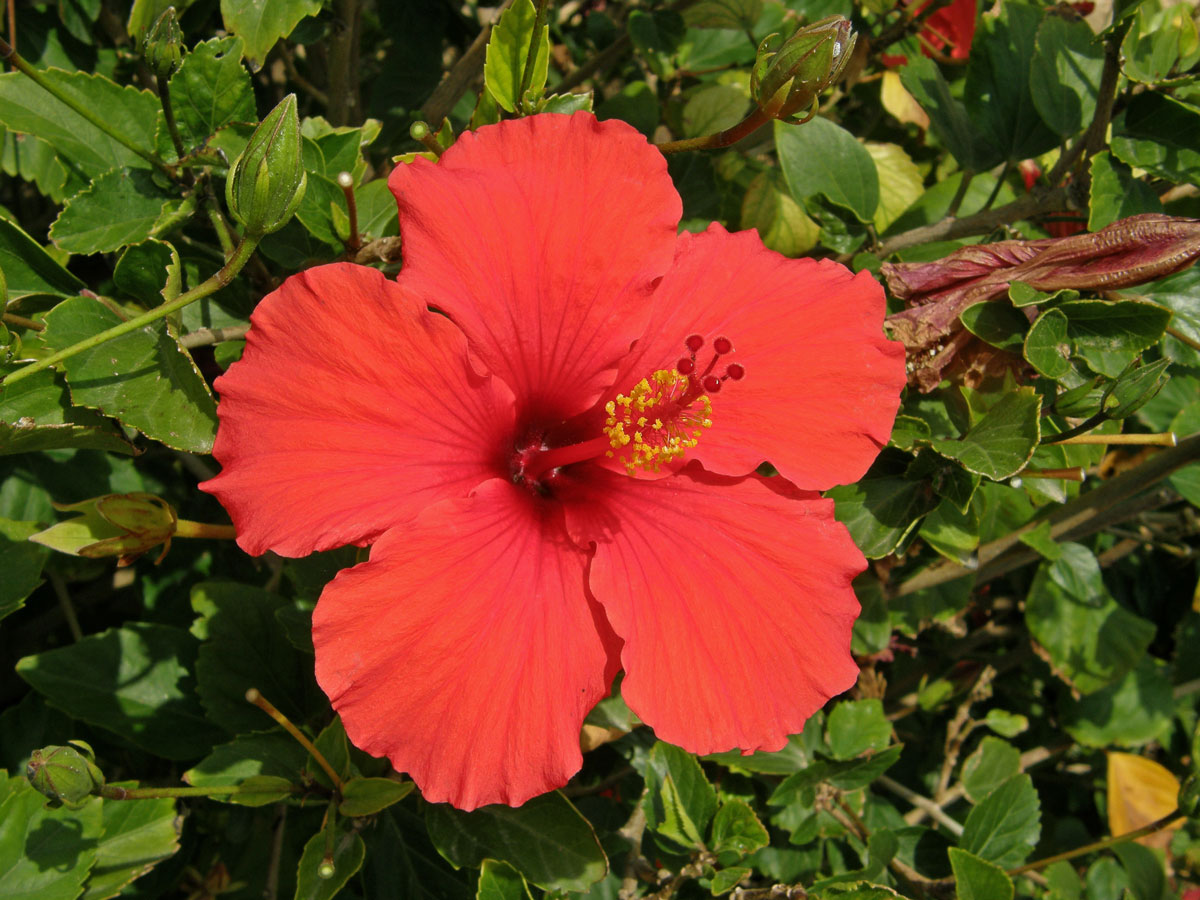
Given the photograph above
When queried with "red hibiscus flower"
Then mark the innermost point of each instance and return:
(556, 469)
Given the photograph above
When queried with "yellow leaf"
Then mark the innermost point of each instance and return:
(781, 221)
(900, 103)
(900, 183)
(1140, 791)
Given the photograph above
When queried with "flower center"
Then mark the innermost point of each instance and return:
(658, 421)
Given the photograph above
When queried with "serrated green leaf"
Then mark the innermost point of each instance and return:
(679, 801)
(821, 158)
(120, 207)
(1111, 335)
(500, 881)
(736, 829)
(1067, 64)
(210, 90)
(142, 379)
(991, 765)
(260, 24)
(143, 271)
(1116, 194)
(1047, 347)
(28, 269)
(134, 681)
(978, 879)
(1001, 443)
(347, 858)
(1132, 712)
(36, 414)
(136, 835)
(847, 775)
(881, 512)
(45, 854)
(507, 52)
(1004, 827)
(26, 108)
(856, 726)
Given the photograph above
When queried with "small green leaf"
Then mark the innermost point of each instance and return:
(36, 414)
(546, 839)
(1047, 347)
(1004, 827)
(1147, 878)
(250, 759)
(120, 207)
(847, 775)
(822, 158)
(1161, 42)
(320, 878)
(1159, 134)
(367, 796)
(712, 109)
(997, 323)
(856, 726)
(739, 14)
(992, 764)
(143, 379)
(1005, 723)
(143, 271)
(260, 24)
(1090, 639)
(727, 879)
(736, 829)
(507, 52)
(500, 881)
(679, 800)
(978, 879)
(656, 36)
(210, 90)
(1136, 387)
(1001, 443)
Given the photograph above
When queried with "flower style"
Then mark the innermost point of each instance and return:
(556, 469)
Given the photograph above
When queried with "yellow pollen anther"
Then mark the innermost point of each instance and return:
(668, 437)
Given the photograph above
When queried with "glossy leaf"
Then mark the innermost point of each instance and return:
(508, 51)
(367, 796)
(881, 512)
(1115, 193)
(1067, 63)
(314, 881)
(736, 829)
(211, 89)
(260, 25)
(45, 854)
(500, 881)
(679, 800)
(1001, 443)
(991, 765)
(1047, 347)
(821, 158)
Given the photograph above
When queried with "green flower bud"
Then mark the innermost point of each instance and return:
(162, 44)
(788, 79)
(67, 775)
(266, 183)
(121, 525)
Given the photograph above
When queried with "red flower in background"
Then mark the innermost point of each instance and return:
(558, 472)
(948, 31)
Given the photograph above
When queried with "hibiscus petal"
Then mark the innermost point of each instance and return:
(822, 383)
(467, 650)
(352, 408)
(541, 238)
(733, 598)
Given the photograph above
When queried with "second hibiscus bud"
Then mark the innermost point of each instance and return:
(788, 78)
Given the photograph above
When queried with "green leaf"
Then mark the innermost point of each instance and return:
(998, 91)
(728, 878)
(1147, 878)
(21, 562)
(1136, 387)
(1132, 712)
(1116, 194)
(997, 323)
(1067, 64)
(144, 270)
(45, 854)
(312, 882)
(34, 160)
(500, 881)
(143, 379)
(992, 764)
(856, 726)
(712, 109)
(1006, 825)
(978, 879)
(507, 52)
(1001, 443)
(679, 801)
(1187, 479)
(1090, 639)
(120, 207)
(736, 829)
(36, 414)
(332, 744)
(1160, 43)
(136, 836)
(900, 183)
(376, 209)
(948, 117)
(260, 24)
(780, 221)
(27, 108)
(1005, 723)
(822, 158)
(134, 681)
(211, 89)
(791, 758)
(739, 14)
(28, 269)
(247, 649)
(546, 839)
(951, 532)
(1181, 294)
(656, 37)
(1047, 347)
(908, 431)
(1064, 881)
(881, 512)
(1159, 134)
(269, 754)
(1111, 335)
(367, 796)
(847, 775)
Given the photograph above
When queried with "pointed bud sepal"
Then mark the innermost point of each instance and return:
(162, 44)
(787, 78)
(121, 525)
(267, 181)
(67, 775)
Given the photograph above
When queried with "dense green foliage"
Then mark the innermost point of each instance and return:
(1017, 625)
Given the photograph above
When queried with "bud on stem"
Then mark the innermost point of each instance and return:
(789, 79)
(67, 775)
(266, 183)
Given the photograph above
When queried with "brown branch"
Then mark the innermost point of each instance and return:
(345, 104)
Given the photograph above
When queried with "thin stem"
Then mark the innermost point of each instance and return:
(112, 792)
(189, 529)
(1083, 427)
(932, 809)
(210, 286)
(18, 62)
(253, 696)
(535, 41)
(959, 195)
(1156, 825)
(164, 96)
(1183, 338)
(1167, 439)
(202, 337)
(725, 138)
(346, 182)
(22, 322)
(65, 604)
(1075, 473)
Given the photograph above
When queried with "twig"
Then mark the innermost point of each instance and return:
(65, 604)
(342, 106)
(1166, 439)
(253, 696)
(271, 891)
(632, 832)
(22, 322)
(1154, 826)
(725, 138)
(465, 72)
(202, 337)
(924, 804)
